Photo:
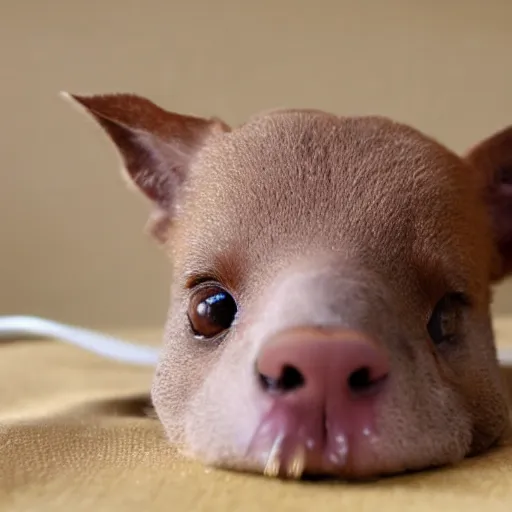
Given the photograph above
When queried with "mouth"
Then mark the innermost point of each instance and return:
(294, 444)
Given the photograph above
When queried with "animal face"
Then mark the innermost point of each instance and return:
(331, 287)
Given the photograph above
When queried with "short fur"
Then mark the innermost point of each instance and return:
(310, 219)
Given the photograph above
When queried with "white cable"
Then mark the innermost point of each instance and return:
(105, 345)
(12, 327)
(505, 356)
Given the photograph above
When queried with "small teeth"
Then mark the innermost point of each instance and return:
(297, 463)
(273, 464)
(294, 468)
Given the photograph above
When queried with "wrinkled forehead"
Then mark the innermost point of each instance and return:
(297, 182)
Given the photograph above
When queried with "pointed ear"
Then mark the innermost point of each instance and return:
(493, 157)
(155, 146)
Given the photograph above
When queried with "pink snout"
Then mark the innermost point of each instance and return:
(322, 386)
(310, 363)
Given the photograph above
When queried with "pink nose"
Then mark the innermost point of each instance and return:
(313, 363)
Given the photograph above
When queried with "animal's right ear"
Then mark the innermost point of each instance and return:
(493, 158)
(156, 146)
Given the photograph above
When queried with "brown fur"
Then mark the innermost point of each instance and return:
(307, 218)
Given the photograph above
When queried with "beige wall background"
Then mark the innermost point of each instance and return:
(71, 237)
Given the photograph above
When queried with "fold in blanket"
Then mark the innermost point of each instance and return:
(77, 433)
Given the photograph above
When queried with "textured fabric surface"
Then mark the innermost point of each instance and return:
(74, 435)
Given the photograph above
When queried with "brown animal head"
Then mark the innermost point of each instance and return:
(331, 291)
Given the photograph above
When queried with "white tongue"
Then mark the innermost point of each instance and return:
(12, 327)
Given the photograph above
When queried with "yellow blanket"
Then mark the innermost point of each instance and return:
(74, 436)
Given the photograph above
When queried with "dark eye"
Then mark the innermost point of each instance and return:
(445, 322)
(211, 311)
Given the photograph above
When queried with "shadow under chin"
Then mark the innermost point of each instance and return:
(333, 479)
(137, 406)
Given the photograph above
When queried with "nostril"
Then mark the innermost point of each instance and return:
(361, 381)
(290, 379)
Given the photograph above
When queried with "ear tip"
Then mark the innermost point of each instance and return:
(66, 96)
(81, 102)
(99, 102)
(73, 98)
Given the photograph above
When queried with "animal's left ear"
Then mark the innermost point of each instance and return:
(493, 157)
